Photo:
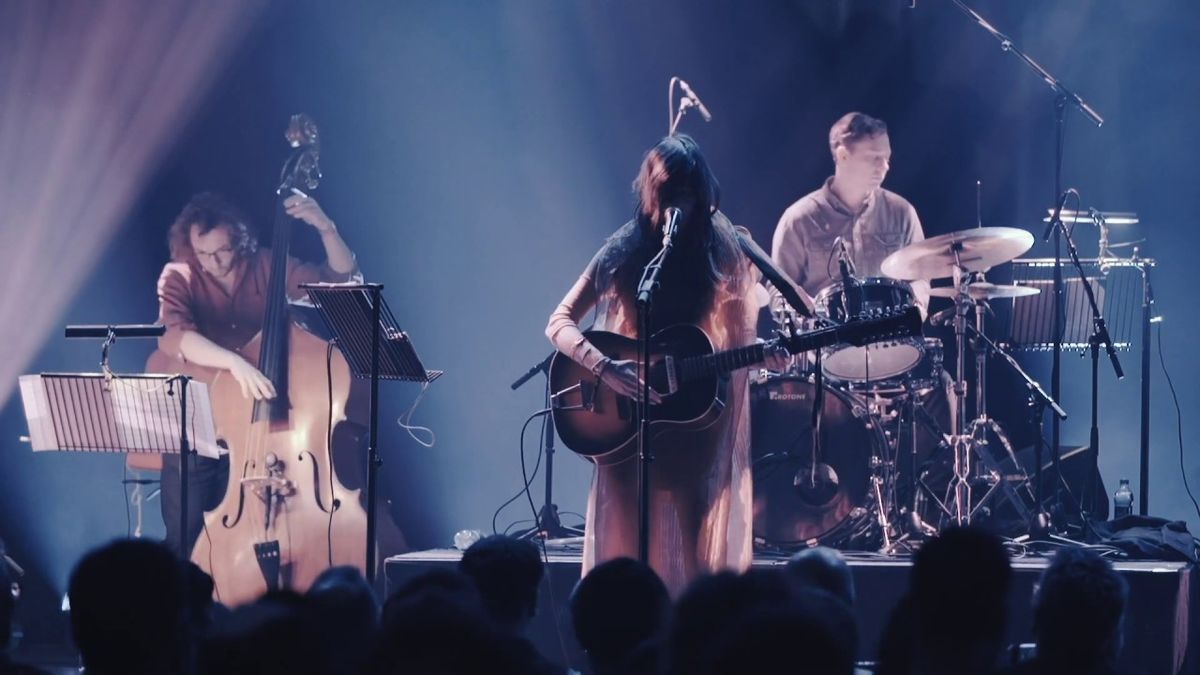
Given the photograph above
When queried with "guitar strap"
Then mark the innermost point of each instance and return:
(785, 286)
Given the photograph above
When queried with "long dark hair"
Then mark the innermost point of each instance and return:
(208, 211)
(705, 248)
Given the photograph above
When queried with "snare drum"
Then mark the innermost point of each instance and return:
(921, 378)
(878, 361)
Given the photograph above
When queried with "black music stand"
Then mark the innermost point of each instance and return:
(1117, 285)
(103, 412)
(374, 346)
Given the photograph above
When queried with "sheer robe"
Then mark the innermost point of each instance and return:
(700, 495)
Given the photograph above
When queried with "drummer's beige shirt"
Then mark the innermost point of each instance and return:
(803, 245)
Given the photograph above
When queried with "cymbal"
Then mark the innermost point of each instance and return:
(983, 290)
(979, 249)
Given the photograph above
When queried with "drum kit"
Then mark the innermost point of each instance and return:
(872, 447)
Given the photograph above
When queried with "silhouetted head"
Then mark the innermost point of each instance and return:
(619, 606)
(436, 624)
(129, 609)
(962, 572)
(348, 614)
(507, 572)
(808, 631)
(1078, 611)
(279, 634)
(711, 606)
(822, 568)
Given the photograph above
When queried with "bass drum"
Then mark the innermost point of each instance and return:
(798, 501)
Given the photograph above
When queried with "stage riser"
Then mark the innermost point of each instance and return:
(1158, 633)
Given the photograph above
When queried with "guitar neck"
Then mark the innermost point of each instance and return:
(730, 360)
(720, 363)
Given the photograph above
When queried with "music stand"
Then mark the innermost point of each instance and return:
(374, 346)
(1122, 286)
(103, 412)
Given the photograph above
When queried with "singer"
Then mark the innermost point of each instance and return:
(700, 501)
(852, 205)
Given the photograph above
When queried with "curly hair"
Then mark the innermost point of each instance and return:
(208, 211)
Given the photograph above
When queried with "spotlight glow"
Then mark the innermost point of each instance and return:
(92, 95)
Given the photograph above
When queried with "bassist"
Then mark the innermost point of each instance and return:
(212, 297)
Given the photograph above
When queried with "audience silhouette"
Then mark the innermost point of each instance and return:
(136, 608)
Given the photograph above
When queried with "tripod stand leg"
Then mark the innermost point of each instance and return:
(979, 449)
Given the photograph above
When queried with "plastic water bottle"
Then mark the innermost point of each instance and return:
(1123, 500)
(464, 538)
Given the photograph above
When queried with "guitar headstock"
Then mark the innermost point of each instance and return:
(863, 329)
(884, 324)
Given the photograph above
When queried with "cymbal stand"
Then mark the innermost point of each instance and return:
(958, 492)
(987, 471)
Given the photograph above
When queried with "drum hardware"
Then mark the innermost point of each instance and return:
(787, 514)
(958, 255)
(881, 360)
(884, 479)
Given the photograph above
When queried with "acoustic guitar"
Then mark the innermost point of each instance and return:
(596, 422)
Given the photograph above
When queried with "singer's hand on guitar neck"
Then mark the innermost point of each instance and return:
(622, 377)
(777, 358)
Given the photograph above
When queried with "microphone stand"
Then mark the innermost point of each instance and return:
(1099, 335)
(1039, 401)
(1062, 97)
(645, 300)
(548, 525)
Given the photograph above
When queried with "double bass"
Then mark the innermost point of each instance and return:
(285, 516)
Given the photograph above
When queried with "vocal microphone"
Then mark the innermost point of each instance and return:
(671, 225)
(691, 96)
(1054, 219)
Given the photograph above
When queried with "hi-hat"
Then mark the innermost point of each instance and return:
(983, 290)
(975, 250)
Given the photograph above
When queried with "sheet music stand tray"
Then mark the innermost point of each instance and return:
(374, 346)
(92, 412)
(1119, 285)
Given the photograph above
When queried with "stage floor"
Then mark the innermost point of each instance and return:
(1159, 634)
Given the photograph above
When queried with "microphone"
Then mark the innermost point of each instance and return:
(1054, 219)
(816, 485)
(845, 264)
(691, 96)
(942, 318)
(1102, 225)
(671, 225)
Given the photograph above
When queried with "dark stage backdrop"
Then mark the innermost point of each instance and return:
(476, 154)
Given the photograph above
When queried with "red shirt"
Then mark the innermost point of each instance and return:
(191, 299)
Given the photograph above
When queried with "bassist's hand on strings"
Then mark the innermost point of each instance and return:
(254, 384)
(622, 377)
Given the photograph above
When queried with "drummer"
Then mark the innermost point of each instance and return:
(873, 222)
